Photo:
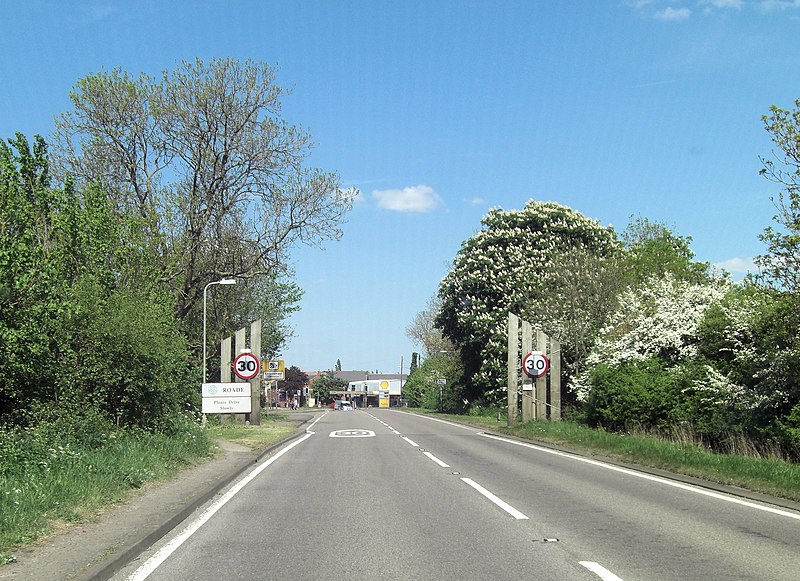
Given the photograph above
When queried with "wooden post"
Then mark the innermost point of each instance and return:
(555, 380)
(241, 343)
(513, 367)
(255, 383)
(527, 384)
(225, 370)
(225, 361)
(541, 382)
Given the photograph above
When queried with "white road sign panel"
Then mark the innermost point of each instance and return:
(227, 405)
(225, 389)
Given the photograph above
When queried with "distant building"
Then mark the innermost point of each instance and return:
(375, 394)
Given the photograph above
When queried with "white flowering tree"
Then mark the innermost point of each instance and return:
(645, 368)
(751, 338)
(658, 319)
(516, 263)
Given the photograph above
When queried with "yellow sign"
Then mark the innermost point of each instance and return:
(384, 384)
(383, 402)
(279, 366)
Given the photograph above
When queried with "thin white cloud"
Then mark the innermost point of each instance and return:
(725, 4)
(653, 84)
(91, 15)
(737, 265)
(477, 201)
(773, 5)
(414, 199)
(670, 14)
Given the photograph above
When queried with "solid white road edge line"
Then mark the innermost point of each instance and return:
(501, 503)
(673, 483)
(600, 571)
(308, 429)
(435, 459)
(161, 555)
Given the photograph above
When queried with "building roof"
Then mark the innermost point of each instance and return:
(349, 376)
(356, 375)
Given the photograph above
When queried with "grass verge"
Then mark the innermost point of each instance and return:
(53, 474)
(273, 429)
(50, 476)
(770, 476)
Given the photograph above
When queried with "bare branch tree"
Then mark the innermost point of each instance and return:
(205, 160)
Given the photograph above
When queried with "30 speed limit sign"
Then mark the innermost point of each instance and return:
(535, 364)
(246, 366)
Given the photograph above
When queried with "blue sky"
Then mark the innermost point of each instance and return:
(439, 110)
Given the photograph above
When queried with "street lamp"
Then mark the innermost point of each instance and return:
(222, 281)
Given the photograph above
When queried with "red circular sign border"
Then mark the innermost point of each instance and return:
(544, 371)
(246, 378)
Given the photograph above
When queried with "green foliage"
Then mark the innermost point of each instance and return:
(751, 337)
(736, 380)
(233, 203)
(790, 430)
(79, 327)
(517, 260)
(640, 393)
(74, 462)
(654, 250)
(30, 285)
(125, 355)
(324, 385)
(422, 389)
(781, 265)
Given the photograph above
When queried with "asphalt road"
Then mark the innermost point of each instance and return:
(381, 494)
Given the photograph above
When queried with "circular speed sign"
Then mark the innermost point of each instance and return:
(245, 366)
(535, 364)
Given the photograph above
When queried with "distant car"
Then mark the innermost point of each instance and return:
(347, 406)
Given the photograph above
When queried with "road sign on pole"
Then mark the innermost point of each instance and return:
(245, 366)
(535, 364)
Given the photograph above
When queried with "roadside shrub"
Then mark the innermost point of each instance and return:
(126, 357)
(641, 393)
(751, 341)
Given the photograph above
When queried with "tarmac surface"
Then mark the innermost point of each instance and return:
(96, 550)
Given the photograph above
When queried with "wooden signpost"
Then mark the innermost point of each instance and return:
(540, 363)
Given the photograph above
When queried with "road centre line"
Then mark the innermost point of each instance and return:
(492, 497)
(463, 427)
(499, 502)
(600, 571)
(660, 480)
(384, 423)
(164, 552)
(435, 459)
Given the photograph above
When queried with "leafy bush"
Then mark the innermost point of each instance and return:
(125, 356)
(751, 339)
(641, 393)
